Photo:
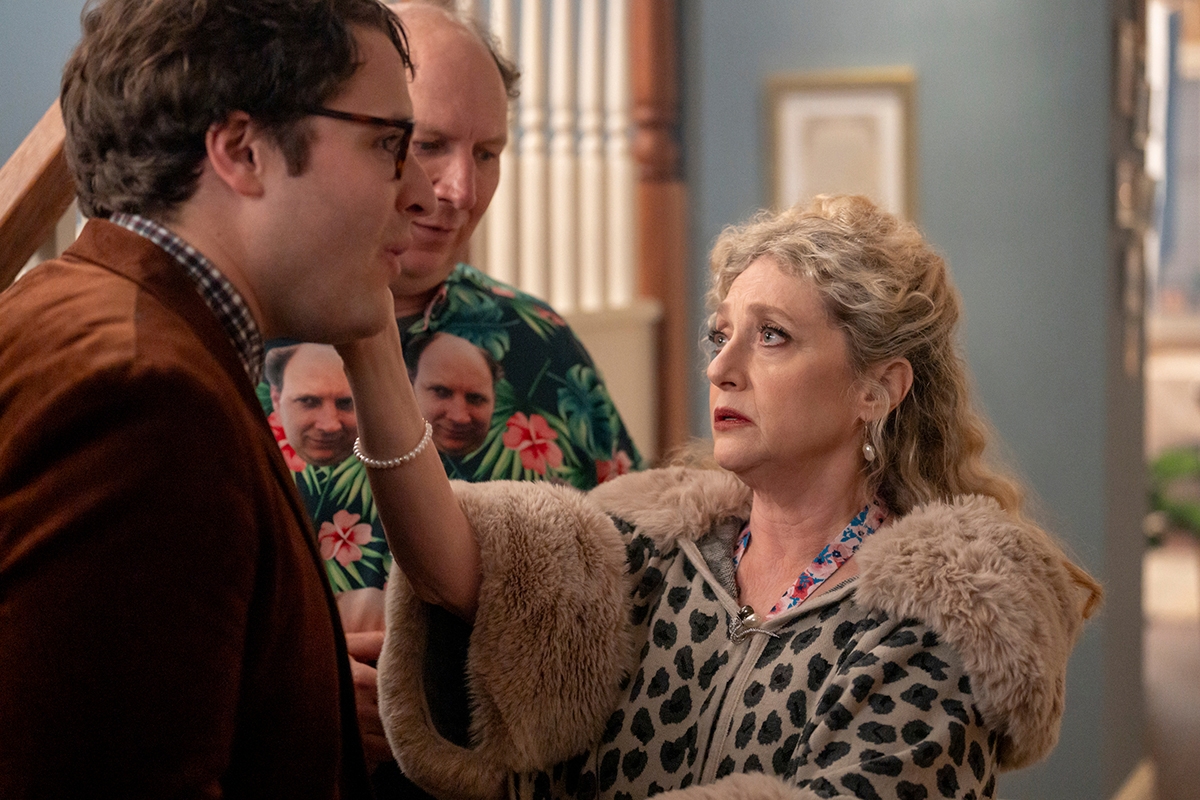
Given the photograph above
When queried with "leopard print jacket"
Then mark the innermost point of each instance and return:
(604, 660)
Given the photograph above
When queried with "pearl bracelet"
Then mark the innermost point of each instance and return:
(376, 463)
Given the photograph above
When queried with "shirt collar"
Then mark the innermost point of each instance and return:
(218, 293)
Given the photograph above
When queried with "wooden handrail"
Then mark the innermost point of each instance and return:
(35, 190)
(662, 207)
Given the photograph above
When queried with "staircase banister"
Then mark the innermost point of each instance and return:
(35, 190)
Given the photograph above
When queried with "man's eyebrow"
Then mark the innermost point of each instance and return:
(431, 132)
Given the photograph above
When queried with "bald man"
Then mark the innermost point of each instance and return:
(462, 95)
(455, 386)
(461, 92)
(312, 399)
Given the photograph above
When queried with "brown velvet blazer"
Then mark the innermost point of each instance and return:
(166, 627)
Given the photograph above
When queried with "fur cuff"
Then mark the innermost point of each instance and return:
(999, 591)
(549, 647)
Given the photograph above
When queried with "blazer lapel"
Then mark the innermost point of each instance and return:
(138, 259)
(157, 272)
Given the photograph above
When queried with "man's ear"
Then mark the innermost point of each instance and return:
(235, 148)
(896, 378)
(275, 398)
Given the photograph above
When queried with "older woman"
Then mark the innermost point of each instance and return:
(853, 605)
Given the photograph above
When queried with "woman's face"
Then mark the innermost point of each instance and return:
(783, 395)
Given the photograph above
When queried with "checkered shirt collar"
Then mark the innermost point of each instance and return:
(220, 295)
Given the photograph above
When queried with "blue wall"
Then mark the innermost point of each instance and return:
(1012, 126)
(36, 36)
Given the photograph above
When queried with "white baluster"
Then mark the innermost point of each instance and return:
(592, 244)
(533, 213)
(477, 247)
(501, 217)
(620, 158)
(564, 258)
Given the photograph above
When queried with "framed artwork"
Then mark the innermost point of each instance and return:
(844, 132)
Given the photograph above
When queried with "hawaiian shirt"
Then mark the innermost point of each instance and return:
(553, 420)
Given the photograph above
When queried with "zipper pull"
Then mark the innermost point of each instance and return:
(745, 623)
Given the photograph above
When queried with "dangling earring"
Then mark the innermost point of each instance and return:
(868, 451)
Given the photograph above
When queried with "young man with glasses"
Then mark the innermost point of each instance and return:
(165, 622)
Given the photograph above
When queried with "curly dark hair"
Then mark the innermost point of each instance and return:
(150, 77)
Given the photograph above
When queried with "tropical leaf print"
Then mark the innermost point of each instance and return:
(564, 440)
(480, 323)
(312, 481)
(348, 487)
(263, 392)
(540, 318)
(588, 411)
(376, 560)
(337, 577)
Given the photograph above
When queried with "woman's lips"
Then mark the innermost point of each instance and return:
(726, 419)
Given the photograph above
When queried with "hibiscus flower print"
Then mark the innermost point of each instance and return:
(549, 315)
(533, 440)
(621, 464)
(295, 463)
(341, 538)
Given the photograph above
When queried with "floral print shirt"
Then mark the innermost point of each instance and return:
(553, 420)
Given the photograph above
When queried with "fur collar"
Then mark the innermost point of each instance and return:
(996, 587)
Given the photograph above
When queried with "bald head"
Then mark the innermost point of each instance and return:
(455, 387)
(460, 103)
(505, 65)
(314, 403)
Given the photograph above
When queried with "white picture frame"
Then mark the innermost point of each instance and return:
(843, 132)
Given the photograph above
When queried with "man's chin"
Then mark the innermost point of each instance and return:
(456, 448)
(325, 458)
(365, 319)
(422, 270)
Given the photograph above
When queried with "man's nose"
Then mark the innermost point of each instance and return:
(328, 420)
(456, 184)
(415, 196)
(458, 412)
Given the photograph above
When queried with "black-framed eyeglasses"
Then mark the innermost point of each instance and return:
(399, 149)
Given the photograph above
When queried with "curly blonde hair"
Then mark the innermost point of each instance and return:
(890, 292)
